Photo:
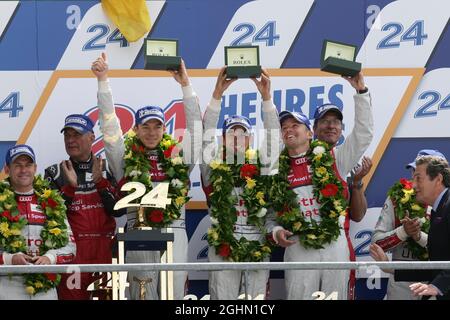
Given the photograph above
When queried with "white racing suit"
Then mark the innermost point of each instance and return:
(229, 284)
(114, 149)
(390, 235)
(301, 284)
(13, 287)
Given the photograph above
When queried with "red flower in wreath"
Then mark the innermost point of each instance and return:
(10, 217)
(52, 203)
(224, 250)
(156, 216)
(136, 148)
(281, 213)
(406, 184)
(51, 276)
(248, 171)
(330, 190)
(168, 152)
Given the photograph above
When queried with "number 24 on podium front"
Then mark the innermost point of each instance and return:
(157, 197)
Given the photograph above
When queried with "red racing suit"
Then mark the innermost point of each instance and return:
(12, 287)
(91, 217)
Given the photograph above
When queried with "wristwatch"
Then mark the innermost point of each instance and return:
(359, 185)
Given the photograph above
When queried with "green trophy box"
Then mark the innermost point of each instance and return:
(161, 54)
(242, 62)
(339, 58)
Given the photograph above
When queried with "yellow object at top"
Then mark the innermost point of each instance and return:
(130, 16)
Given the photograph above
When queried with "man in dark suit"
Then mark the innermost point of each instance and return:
(431, 183)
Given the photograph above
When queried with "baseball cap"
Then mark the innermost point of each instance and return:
(236, 120)
(83, 124)
(19, 150)
(323, 109)
(149, 112)
(425, 152)
(300, 117)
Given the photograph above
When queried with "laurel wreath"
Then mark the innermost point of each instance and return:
(54, 234)
(138, 169)
(327, 189)
(224, 178)
(403, 197)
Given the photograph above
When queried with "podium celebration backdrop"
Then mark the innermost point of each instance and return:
(46, 49)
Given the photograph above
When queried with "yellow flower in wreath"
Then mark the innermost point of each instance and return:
(7, 206)
(179, 201)
(406, 198)
(250, 154)
(332, 214)
(321, 171)
(311, 236)
(129, 155)
(4, 229)
(297, 226)
(260, 196)
(343, 213)
(257, 254)
(325, 178)
(224, 167)
(416, 207)
(52, 223)
(266, 249)
(177, 160)
(56, 212)
(337, 205)
(16, 244)
(2, 198)
(16, 232)
(213, 234)
(55, 231)
(215, 164)
(38, 285)
(30, 290)
(408, 191)
(47, 193)
(131, 133)
(250, 183)
(166, 143)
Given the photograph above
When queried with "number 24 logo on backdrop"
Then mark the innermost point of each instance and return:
(266, 34)
(415, 33)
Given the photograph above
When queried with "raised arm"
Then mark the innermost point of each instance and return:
(210, 119)
(270, 147)
(357, 142)
(192, 137)
(109, 122)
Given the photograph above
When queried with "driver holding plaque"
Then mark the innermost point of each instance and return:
(235, 180)
(311, 208)
(150, 156)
